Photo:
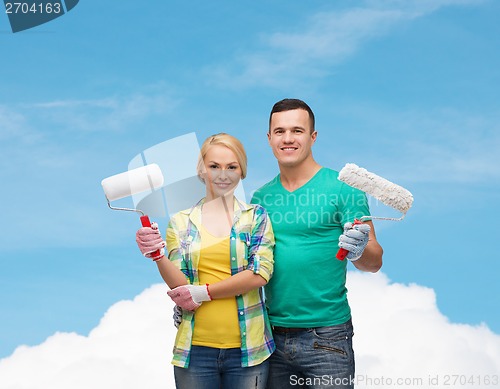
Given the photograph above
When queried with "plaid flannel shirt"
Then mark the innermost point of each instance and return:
(251, 248)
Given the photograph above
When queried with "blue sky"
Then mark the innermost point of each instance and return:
(407, 89)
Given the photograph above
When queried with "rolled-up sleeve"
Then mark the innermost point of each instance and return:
(261, 250)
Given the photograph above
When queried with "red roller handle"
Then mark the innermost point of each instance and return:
(147, 223)
(342, 253)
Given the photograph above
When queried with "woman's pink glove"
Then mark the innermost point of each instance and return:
(149, 241)
(189, 297)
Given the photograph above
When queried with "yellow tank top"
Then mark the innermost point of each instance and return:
(215, 322)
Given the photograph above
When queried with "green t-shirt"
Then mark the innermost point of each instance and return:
(308, 285)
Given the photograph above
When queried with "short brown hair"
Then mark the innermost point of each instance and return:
(289, 105)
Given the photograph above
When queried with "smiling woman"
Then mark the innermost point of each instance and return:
(221, 165)
(219, 255)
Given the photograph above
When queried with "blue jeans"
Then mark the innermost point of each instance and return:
(214, 368)
(316, 358)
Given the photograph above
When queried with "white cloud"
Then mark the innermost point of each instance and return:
(330, 38)
(130, 348)
(412, 146)
(107, 114)
(99, 103)
(399, 334)
(444, 145)
(14, 126)
(419, 6)
(323, 39)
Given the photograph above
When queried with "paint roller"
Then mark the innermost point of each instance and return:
(383, 190)
(129, 183)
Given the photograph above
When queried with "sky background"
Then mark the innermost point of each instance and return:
(407, 89)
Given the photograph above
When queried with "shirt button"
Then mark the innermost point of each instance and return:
(241, 313)
(233, 258)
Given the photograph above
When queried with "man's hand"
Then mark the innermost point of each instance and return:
(189, 297)
(149, 241)
(177, 316)
(354, 239)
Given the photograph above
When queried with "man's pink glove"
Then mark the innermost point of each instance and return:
(149, 240)
(190, 297)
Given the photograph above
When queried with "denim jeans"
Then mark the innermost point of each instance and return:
(213, 368)
(315, 358)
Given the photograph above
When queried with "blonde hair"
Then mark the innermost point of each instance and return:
(229, 141)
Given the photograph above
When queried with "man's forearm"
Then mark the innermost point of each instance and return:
(371, 260)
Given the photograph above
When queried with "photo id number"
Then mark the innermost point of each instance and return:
(27, 8)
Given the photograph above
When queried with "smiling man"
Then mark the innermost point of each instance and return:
(311, 210)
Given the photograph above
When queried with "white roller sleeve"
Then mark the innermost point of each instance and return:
(134, 181)
(387, 192)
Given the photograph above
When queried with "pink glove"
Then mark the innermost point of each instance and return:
(149, 240)
(189, 297)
